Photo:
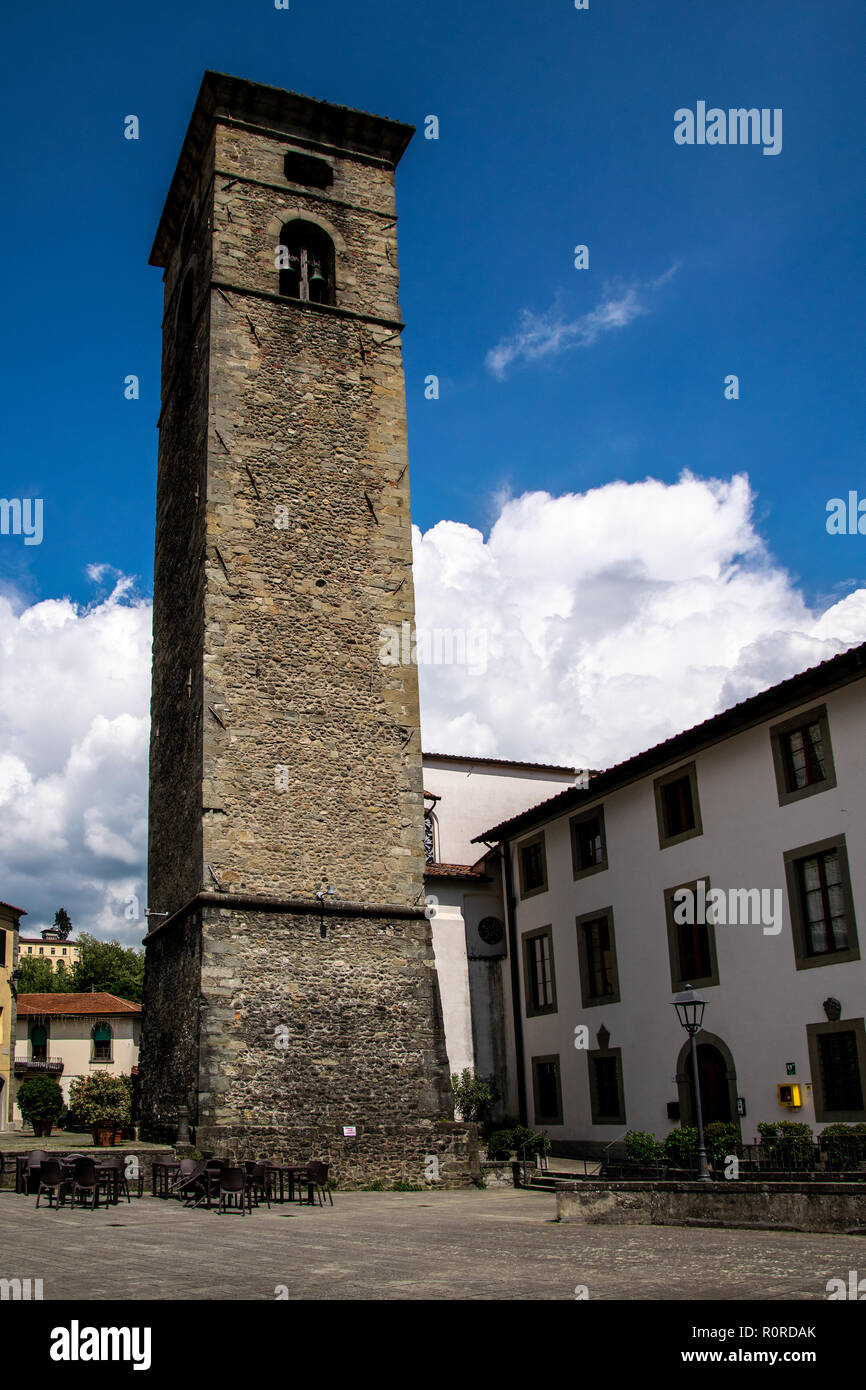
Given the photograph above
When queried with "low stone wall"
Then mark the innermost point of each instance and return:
(813, 1206)
(500, 1174)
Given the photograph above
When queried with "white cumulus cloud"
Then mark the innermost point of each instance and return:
(595, 624)
(610, 620)
(73, 758)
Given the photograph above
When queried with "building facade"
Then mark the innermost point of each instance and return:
(465, 904)
(9, 919)
(67, 1036)
(731, 858)
(50, 946)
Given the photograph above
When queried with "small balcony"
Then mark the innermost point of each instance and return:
(30, 1066)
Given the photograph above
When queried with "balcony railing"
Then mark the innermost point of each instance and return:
(25, 1064)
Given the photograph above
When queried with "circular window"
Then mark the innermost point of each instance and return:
(490, 930)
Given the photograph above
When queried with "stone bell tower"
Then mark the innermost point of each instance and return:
(290, 990)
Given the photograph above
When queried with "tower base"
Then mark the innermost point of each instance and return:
(283, 1026)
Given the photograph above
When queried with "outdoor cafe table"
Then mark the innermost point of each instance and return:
(160, 1173)
(23, 1167)
(22, 1163)
(288, 1170)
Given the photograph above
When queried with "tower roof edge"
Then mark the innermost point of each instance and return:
(289, 113)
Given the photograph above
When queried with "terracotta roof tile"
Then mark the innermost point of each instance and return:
(94, 1002)
(453, 871)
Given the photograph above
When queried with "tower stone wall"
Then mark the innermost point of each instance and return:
(285, 758)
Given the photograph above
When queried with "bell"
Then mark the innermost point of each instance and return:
(318, 283)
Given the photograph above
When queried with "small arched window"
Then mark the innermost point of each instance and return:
(39, 1043)
(306, 261)
(184, 310)
(101, 1036)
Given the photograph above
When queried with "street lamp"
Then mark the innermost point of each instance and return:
(690, 1012)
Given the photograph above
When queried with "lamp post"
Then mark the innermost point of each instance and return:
(690, 1012)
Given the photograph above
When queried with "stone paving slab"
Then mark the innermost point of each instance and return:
(475, 1245)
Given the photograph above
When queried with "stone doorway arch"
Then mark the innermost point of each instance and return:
(718, 1080)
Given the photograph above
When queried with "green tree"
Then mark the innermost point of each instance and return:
(474, 1096)
(63, 978)
(62, 922)
(108, 966)
(37, 976)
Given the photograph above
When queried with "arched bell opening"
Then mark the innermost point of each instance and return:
(306, 261)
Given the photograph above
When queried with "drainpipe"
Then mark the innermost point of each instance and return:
(511, 929)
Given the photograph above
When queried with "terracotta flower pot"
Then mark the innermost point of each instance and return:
(42, 1128)
(103, 1136)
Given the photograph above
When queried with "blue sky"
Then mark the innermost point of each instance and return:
(556, 129)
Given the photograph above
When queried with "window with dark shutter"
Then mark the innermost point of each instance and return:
(841, 1083)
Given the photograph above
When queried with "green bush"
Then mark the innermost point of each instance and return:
(643, 1148)
(499, 1144)
(101, 1100)
(535, 1142)
(407, 1187)
(474, 1095)
(503, 1142)
(844, 1144)
(722, 1138)
(39, 1098)
(787, 1142)
(681, 1146)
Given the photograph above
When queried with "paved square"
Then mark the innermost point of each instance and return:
(499, 1244)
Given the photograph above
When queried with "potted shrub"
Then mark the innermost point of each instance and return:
(40, 1101)
(103, 1103)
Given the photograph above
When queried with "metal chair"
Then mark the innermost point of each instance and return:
(112, 1176)
(316, 1180)
(260, 1179)
(52, 1180)
(86, 1180)
(234, 1190)
(34, 1161)
(188, 1184)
